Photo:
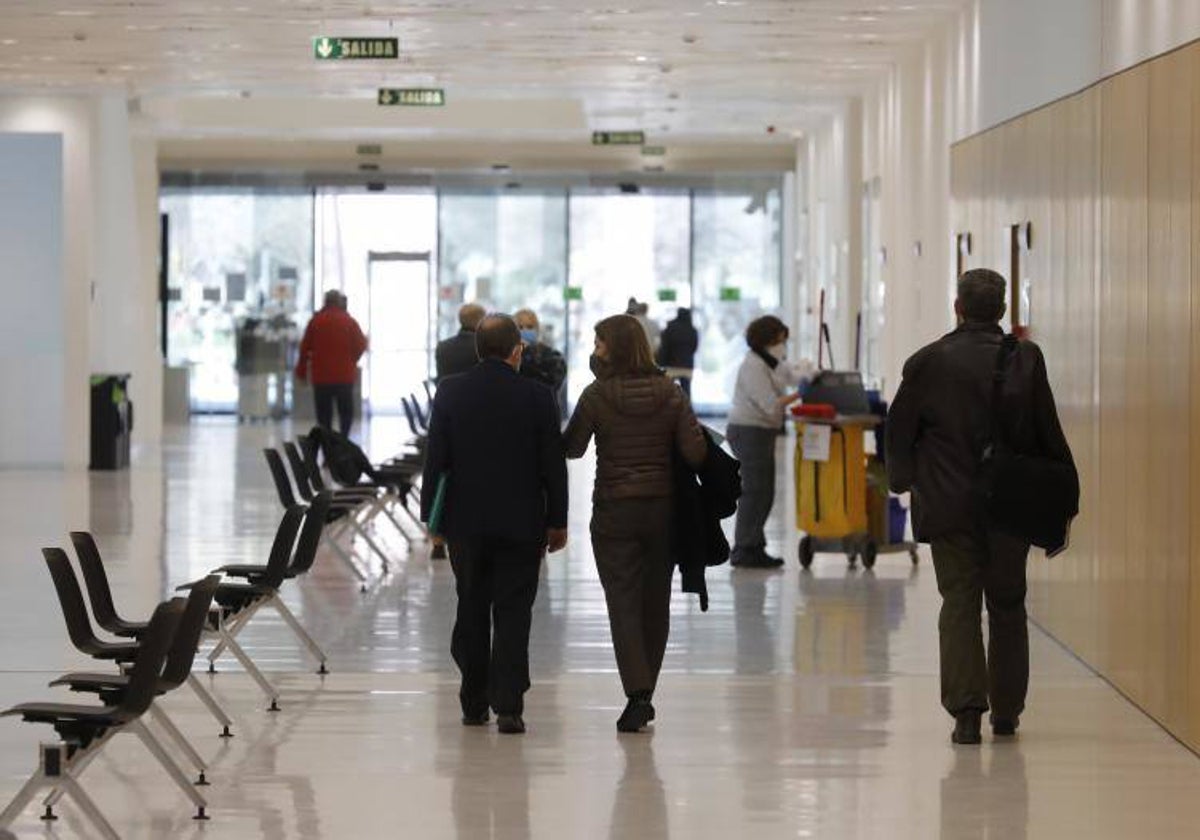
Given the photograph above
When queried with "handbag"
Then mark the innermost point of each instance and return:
(1027, 496)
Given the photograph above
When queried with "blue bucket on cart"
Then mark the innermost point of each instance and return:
(897, 520)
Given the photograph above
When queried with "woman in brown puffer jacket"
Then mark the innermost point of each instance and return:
(640, 419)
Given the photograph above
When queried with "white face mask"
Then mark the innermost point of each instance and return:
(779, 351)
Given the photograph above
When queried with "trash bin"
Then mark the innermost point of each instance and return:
(112, 421)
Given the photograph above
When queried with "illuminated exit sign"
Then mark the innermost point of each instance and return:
(618, 138)
(346, 49)
(419, 97)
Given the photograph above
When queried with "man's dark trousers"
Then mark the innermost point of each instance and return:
(325, 397)
(497, 581)
(973, 567)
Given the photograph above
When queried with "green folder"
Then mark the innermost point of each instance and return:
(439, 504)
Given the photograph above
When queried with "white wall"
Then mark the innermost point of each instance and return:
(69, 119)
(108, 248)
(32, 363)
(997, 60)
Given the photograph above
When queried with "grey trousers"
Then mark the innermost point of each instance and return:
(631, 541)
(974, 568)
(754, 447)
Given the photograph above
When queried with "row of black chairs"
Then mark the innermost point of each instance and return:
(154, 658)
(386, 491)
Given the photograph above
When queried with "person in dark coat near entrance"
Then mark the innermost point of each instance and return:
(677, 349)
(457, 354)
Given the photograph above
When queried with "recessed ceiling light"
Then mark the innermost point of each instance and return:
(8, 42)
(641, 59)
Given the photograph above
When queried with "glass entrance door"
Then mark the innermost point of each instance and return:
(400, 327)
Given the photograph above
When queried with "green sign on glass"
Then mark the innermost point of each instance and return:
(731, 293)
(327, 48)
(618, 138)
(666, 295)
(573, 293)
(654, 151)
(421, 97)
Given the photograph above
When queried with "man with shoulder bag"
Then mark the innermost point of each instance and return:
(974, 434)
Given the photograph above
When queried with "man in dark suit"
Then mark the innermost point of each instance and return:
(495, 435)
(937, 430)
(458, 354)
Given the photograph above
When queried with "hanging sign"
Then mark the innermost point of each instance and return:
(419, 97)
(654, 151)
(345, 49)
(666, 295)
(618, 138)
(573, 293)
(731, 293)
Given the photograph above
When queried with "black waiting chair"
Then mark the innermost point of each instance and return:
(335, 514)
(79, 627)
(238, 602)
(371, 497)
(86, 729)
(177, 669)
(95, 578)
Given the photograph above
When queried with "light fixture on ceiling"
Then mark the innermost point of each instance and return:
(641, 59)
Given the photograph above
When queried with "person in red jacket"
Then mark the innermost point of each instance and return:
(329, 353)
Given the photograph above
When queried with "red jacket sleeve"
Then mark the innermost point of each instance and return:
(302, 355)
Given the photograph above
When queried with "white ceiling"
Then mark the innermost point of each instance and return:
(675, 68)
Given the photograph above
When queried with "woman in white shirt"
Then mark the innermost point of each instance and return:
(765, 388)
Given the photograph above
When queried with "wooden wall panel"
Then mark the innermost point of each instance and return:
(1109, 178)
(1168, 354)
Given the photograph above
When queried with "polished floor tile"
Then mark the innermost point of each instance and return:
(800, 705)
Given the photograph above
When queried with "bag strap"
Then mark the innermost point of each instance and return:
(1008, 346)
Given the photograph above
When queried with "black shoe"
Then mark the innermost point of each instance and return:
(439, 552)
(510, 724)
(638, 712)
(966, 728)
(1005, 727)
(758, 560)
(477, 719)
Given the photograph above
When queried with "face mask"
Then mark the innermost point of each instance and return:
(599, 366)
(779, 351)
(529, 336)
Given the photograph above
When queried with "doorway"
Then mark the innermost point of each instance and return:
(400, 324)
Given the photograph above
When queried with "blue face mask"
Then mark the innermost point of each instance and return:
(529, 336)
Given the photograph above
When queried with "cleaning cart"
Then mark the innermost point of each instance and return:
(842, 499)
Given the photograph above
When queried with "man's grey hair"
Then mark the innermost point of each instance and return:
(981, 294)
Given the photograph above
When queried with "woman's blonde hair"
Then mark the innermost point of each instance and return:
(628, 347)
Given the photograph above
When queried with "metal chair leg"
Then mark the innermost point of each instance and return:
(172, 730)
(252, 669)
(302, 634)
(181, 780)
(235, 627)
(211, 703)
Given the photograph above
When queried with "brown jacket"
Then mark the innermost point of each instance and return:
(638, 423)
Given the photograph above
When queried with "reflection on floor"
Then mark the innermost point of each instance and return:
(800, 705)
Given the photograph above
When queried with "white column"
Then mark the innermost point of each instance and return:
(124, 314)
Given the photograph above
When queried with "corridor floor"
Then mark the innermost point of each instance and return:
(800, 705)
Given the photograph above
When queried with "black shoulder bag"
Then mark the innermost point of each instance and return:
(1027, 496)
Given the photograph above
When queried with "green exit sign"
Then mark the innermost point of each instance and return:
(731, 293)
(417, 97)
(667, 295)
(618, 138)
(573, 293)
(347, 49)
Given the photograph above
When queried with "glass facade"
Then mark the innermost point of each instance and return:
(407, 259)
(240, 264)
